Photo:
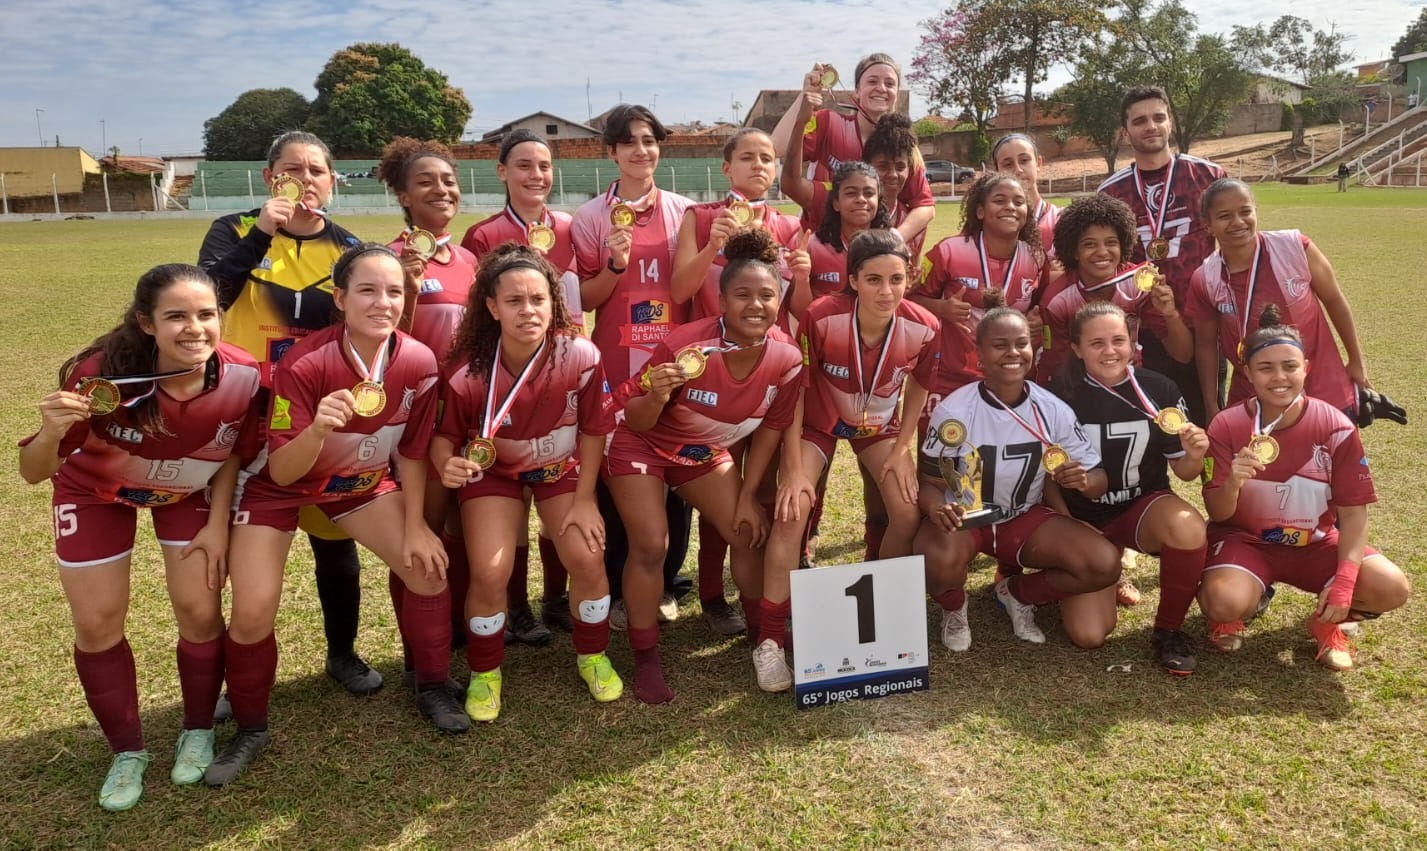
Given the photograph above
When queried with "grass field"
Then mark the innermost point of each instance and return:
(1015, 746)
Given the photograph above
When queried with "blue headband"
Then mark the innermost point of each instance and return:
(1272, 341)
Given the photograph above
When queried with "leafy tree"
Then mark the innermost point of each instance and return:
(368, 94)
(1290, 45)
(248, 125)
(1092, 100)
(1035, 35)
(957, 67)
(925, 128)
(1414, 40)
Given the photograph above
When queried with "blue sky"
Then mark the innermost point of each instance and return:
(152, 72)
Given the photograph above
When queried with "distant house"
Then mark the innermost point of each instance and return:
(550, 126)
(1414, 68)
(1010, 115)
(770, 105)
(1271, 89)
(30, 172)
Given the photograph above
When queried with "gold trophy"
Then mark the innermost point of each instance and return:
(962, 471)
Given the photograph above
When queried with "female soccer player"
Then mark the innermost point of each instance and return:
(525, 166)
(525, 409)
(273, 267)
(345, 401)
(824, 139)
(861, 348)
(1017, 435)
(1252, 269)
(1018, 155)
(147, 416)
(624, 253)
(1287, 496)
(1139, 424)
(854, 204)
(711, 384)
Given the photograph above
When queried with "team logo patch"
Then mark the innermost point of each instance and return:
(360, 483)
(1295, 286)
(278, 348)
(225, 437)
(146, 498)
(282, 414)
(408, 398)
(698, 453)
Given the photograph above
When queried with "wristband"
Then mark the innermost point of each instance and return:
(609, 264)
(1340, 591)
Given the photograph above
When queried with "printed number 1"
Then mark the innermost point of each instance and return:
(861, 591)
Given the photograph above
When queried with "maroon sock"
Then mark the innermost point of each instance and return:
(426, 626)
(815, 517)
(458, 579)
(1179, 572)
(752, 615)
(773, 621)
(397, 589)
(516, 594)
(251, 670)
(200, 678)
(649, 684)
(712, 548)
(873, 530)
(111, 686)
(590, 637)
(484, 652)
(552, 570)
(1034, 588)
(951, 600)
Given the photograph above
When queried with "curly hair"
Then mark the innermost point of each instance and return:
(400, 155)
(749, 248)
(475, 340)
(129, 350)
(893, 137)
(830, 230)
(976, 196)
(1085, 213)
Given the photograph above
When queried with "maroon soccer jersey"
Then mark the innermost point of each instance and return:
(538, 438)
(1217, 296)
(441, 304)
(355, 458)
(110, 459)
(782, 227)
(714, 411)
(1145, 192)
(640, 312)
(847, 395)
(831, 139)
(1061, 309)
(507, 226)
(1320, 465)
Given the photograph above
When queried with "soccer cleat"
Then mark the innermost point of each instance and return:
(1174, 651)
(723, 618)
(1126, 594)
(351, 673)
(1350, 628)
(237, 755)
(124, 784)
(605, 685)
(483, 696)
(521, 627)
(442, 708)
(668, 608)
(223, 710)
(1264, 600)
(192, 756)
(1228, 637)
(556, 613)
(955, 629)
(771, 667)
(618, 617)
(1023, 615)
(1334, 651)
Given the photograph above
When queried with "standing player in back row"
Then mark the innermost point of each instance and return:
(1163, 190)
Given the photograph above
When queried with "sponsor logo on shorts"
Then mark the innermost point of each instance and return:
(551, 473)
(1287, 536)
(849, 432)
(697, 453)
(147, 498)
(360, 483)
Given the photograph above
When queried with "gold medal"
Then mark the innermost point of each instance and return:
(1054, 458)
(1171, 420)
(692, 361)
(1158, 248)
(621, 215)
(1241, 351)
(481, 452)
(1146, 277)
(645, 380)
(103, 395)
(423, 242)
(288, 187)
(951, 432)
(540, 236)
(829, 77)
(1264, 447)
(742, 213)
(369, 399)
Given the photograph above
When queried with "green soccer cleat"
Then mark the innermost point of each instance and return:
(124, 784)
(597, 672)
(192, 756)
(483, 696)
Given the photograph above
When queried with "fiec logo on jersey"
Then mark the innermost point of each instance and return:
(431, 285)
(703, 397)
(970, 283)
(123, 435)
(837, 371)
(360, 483)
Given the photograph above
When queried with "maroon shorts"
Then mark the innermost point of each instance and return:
(1309, 568)
(827, 444)
(1124, 531)
(483, 485)
(90, 534)
(1003, 541)
(629, 455)
(284, 517)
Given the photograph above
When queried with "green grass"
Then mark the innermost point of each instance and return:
(1014, 746)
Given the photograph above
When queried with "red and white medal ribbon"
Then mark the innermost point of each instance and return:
(1127, 276)
(1247, 307)
(1037, 433)
(1157, 220)
(864, 393)
(545, 218)
(638, 205)
(729, 345)
(1040, 209)
(986, 265)
(378, 367)
(1146, 405)
(443, 239)
(1266, 430)
(495, 412)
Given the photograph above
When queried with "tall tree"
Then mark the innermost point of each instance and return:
(248, 125)
(956, 67)
(368, 94)
(1290, 45)
(1414, 40)
(1092, 99)
(1036, 35)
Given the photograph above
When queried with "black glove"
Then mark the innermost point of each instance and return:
(1372, 404)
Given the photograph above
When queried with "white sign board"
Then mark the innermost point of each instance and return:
(859, 631)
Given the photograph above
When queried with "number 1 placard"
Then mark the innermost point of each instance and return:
(859, 631)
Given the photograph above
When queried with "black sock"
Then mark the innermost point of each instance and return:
(339, 590)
